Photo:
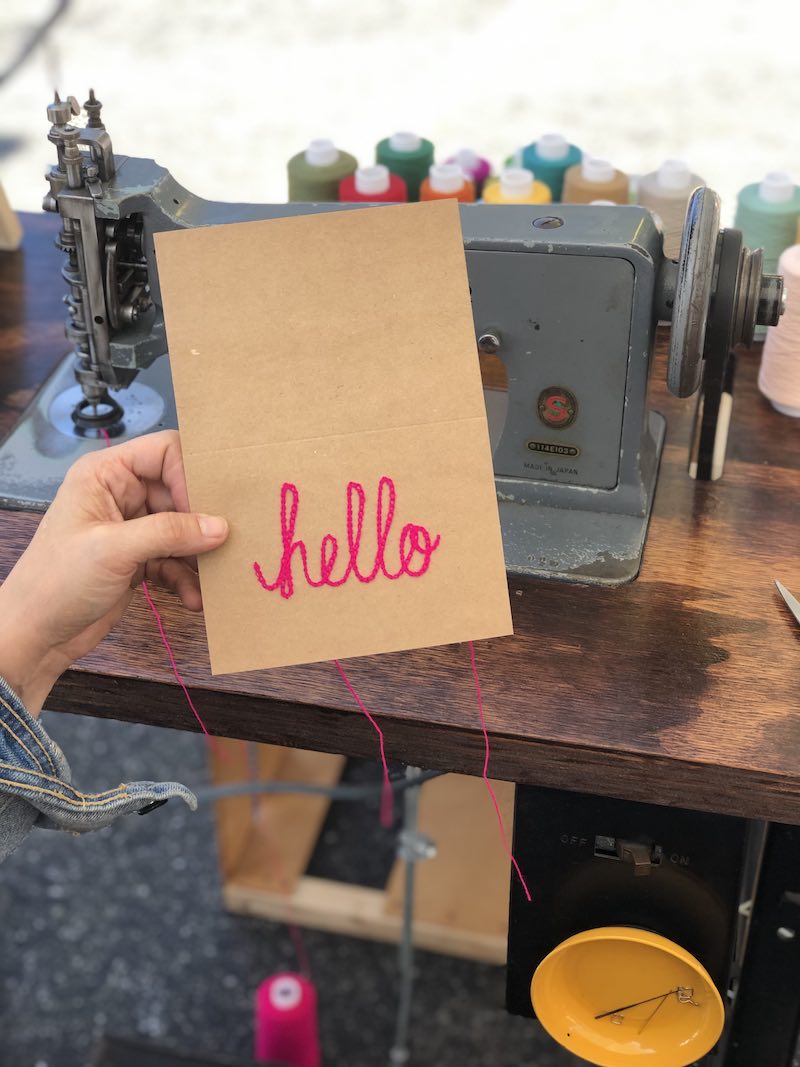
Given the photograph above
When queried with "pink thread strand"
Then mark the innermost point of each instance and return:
(387, 796)
(503, 837)
(168, 647)
(162, 632)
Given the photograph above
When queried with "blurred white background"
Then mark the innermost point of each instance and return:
(222, 93)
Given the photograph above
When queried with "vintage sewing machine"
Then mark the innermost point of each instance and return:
(568, 297)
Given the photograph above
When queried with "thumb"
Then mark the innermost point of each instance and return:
(168, 533)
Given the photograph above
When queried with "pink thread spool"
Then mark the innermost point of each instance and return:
(286, 1030)
(474, 166)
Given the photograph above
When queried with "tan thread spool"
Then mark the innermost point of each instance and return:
(666, 193)
(595, 179)
(779, 376)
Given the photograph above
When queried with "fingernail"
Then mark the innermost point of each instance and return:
(212, 525)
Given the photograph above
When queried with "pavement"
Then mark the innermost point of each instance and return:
(123, 931)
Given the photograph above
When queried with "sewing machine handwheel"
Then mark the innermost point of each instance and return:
(693, 292)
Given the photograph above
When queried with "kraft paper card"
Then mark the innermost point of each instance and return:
(330, 406)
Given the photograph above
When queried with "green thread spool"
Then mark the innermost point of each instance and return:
(314, 174)
(767, 213)
(407, 155)
(549, 158)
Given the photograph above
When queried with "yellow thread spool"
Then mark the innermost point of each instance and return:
(516, 185)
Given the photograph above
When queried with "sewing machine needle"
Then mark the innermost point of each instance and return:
(792, 602)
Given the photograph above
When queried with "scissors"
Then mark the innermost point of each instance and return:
(792, 602)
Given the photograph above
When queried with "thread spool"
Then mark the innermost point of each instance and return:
(515, 159)
(779, 375)
(767, 213)
(476, 168)
(373, 185)
(447, 181)
(550, 158)
(286, 1026)
(666, 193)
(594, 179)
(315, 173)
(409, 156)
(516, 185)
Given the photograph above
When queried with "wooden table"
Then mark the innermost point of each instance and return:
(680, 688)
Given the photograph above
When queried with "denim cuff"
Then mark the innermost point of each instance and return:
(36, 784)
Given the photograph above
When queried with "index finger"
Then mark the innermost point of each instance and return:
(156, 457)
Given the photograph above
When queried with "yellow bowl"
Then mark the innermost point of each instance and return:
(616, 993)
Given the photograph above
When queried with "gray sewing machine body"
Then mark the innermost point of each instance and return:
(568, 297)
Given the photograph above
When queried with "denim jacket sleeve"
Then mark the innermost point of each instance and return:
(36, 784)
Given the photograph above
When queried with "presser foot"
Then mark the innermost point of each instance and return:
(98, 417)
(48, 439)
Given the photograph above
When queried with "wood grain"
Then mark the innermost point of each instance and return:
(681, 688)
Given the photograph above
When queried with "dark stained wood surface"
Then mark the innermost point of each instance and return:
(682, 688)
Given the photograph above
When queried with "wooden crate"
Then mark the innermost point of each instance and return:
(266, 842)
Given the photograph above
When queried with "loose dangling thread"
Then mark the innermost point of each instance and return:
(162, 632)
(387, 796)
(503, 837)
(168, 647)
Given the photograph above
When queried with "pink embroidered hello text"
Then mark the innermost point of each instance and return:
(415, 545)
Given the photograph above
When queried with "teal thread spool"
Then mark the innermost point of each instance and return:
(314, 174)
(407, 155)
(767, 213)
(549, 158)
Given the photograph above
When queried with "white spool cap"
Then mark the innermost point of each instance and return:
(285, 992)
(597, 170)
(467, 158)
(405, 141)
(552, 146)
(604, 203)
(370, 181)
(446, 177)
(516, 183)
(776, 187)
(674, 174)
(321, 153)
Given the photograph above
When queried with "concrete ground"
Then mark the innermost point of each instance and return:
(123, 931)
